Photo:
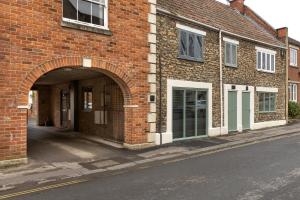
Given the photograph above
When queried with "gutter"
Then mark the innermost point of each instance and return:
(163, 11)
(160, 100)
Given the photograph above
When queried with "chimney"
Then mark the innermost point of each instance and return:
(238, 5)
(282, 33)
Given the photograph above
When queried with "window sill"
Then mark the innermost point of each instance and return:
(190, 59)
(84, 27)
(267, 112)
(263, 71)
(231, 66)
(294, 66)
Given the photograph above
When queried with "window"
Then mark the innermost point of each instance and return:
(293, 57)
(265, 60)
(293, 92)
(266, 102)
(86, 12)
(87, 99)
(191, 46)
(230, 54)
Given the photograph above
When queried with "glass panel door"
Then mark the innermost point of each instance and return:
(189, 113)
(178, 113)
(201, 112)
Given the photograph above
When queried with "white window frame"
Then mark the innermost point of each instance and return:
(293, 92)
(293, 57)
(231, 42)
(268, 55)
(105, 26)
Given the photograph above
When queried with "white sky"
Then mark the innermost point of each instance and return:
(278, 13)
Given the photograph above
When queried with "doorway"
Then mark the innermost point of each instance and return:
(189, 113)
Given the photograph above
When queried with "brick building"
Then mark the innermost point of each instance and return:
(91, 63)
(294, 73)
(219, 70)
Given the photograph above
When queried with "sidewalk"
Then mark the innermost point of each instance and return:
(36, 174)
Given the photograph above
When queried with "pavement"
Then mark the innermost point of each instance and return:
(56, 155)
(263, 171)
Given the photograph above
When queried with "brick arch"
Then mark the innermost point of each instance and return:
(107, 68)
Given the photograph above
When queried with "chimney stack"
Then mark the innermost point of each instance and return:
(238, 5)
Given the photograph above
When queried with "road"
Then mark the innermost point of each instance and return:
(268, 170)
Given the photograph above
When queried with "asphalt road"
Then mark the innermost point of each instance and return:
(268, 170)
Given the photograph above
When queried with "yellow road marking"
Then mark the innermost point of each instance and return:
(41, 189)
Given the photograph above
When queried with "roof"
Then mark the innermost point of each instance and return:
(294, 42)
(221, 16)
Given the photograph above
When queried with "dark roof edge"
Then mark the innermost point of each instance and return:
(174, 15)
(294, 42)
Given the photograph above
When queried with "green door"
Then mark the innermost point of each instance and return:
(246, 110)
(232, 111)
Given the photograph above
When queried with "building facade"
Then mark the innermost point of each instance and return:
(91, 63)
(218, 71)
(294, 73)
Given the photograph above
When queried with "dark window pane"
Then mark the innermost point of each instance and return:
(267, 102)
(191, 45)
(268, 62)
(227, 53)
(98, 14)
(261, 101)
(233, 53)
(258, 60)
(70, 9)
(183, 43)
(272, 102)
(272, 63)
(198, 47)
(178, 99)
(84, 11)
(263, 61)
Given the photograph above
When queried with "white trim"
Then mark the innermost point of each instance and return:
(190, 29)
(294, 81)
(239, 89)
(268, 124)
(294, 47)
(186, 84)
(24, 107)
(267, 89)
(264, 50)
(225, 39)
(293, 60)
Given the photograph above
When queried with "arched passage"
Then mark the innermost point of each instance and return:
(105, 80)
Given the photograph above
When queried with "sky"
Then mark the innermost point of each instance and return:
(278, 13)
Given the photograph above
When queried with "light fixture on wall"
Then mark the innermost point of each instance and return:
(282, 53)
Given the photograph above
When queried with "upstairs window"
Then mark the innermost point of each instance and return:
(230, 52)
(86, 12)
(293, 92)
(190, 43)
(265, 60)
(293, 57)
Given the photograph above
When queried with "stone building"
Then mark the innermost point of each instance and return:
(90, 63)
(219, 70)
(294, 72)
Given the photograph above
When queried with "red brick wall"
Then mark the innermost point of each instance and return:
(32, 42)
(294, 73)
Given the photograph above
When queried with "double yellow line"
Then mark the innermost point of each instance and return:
(7, 196)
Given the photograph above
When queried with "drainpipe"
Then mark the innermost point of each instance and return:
(221, 79)
(160, 100)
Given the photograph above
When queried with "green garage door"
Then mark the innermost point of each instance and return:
(246, 110)
(232, 111)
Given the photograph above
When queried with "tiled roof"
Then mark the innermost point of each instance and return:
(220, 16)
(294, 42)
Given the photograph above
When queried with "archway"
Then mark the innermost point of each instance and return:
(102, 90)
